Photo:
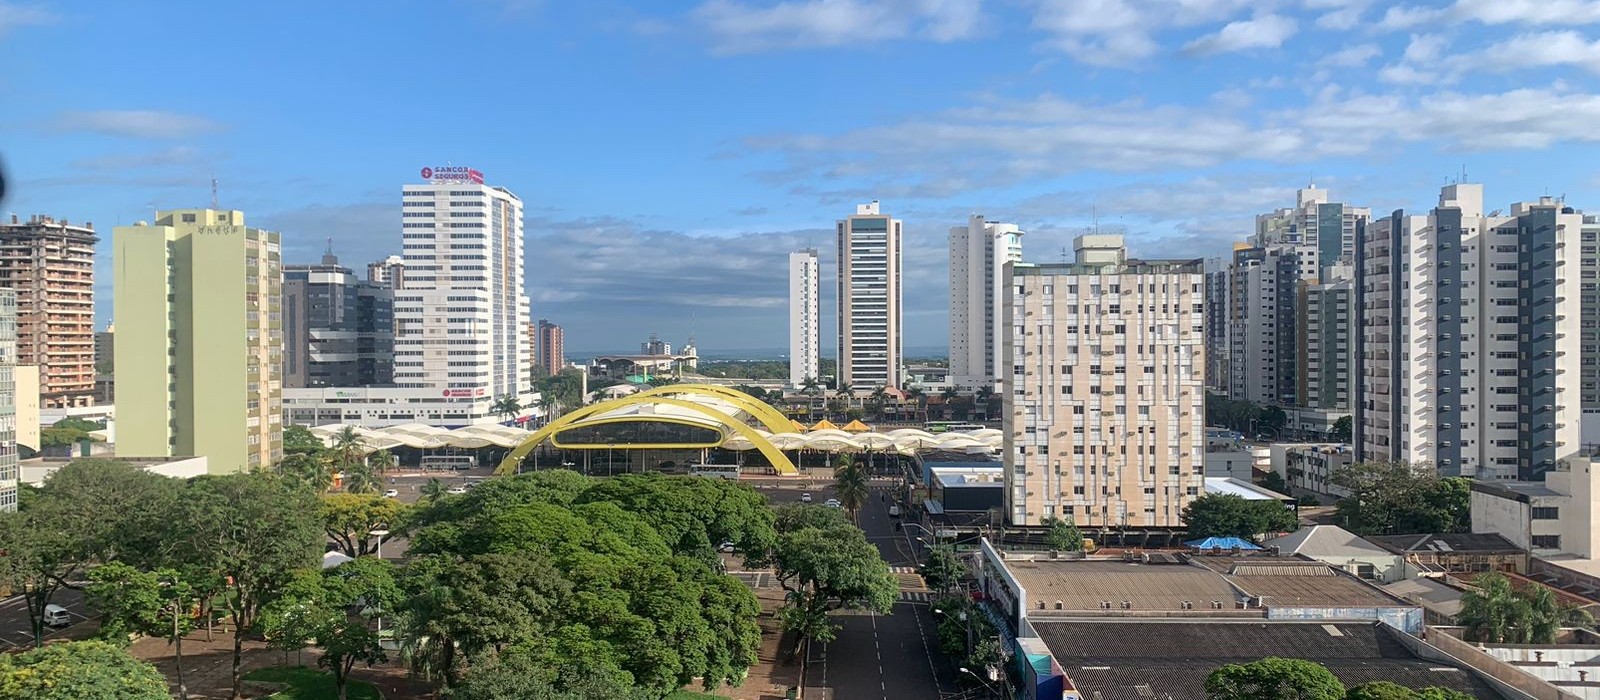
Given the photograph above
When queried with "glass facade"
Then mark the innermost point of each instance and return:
(639, 433)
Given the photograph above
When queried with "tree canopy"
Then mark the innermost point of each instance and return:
(1496, 612)
(539, 573)
(1228, 515)
(827, 568)
(349, 520)
(1061, 534)
(1395, 498)
(1276, 678)
(78, 670)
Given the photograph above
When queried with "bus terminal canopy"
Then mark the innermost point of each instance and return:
(696, 416)
(426, 437)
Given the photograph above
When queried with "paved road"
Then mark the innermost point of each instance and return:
(16, 631)
(893, 656)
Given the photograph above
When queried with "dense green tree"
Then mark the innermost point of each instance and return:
(37, 559)
(798, 516)
(1394, 498)
(314, 471)
(359, 478)
(349, 520)
(1343, 429)
(154, 604)
(299, 440)
(1274, 678)
(692, 514)
(1062, 534)
(112, 509)
(1273, 481)
(255, 530)
(79, 670)
(943, 569)
(1227, 515)
(825, 569)
(518, 675)
(335, 610)
(1497, 613)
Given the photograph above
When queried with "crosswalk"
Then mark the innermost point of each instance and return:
(902, 569)
(916, 596)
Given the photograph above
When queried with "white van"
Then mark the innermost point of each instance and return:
(56, 616)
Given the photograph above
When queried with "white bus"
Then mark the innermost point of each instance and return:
(718, 471)
(448, 462)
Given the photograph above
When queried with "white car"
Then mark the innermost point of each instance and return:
(392, 493)
(833, 503)
(456, 490)
(805, 498)
(726, 548)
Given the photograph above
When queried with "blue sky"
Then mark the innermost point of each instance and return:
(670, 155)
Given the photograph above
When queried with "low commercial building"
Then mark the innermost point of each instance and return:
(1342, 549)
(1311, 466)
(377, 407)
(36, 471)
(1455, 552)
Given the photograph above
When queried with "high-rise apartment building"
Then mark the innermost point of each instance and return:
(1589, 290)
(1327, 228)
(1218, 302)
(50, 266)
(1470, 337)
(979, 252)
(1327, 339)
(552, 346)
(390, 271)
(1106, 363)
(338, 330)
(199, 340)
(1262, 334)
(870, 346)
(8, 401)
(460, 317)
(804, 284)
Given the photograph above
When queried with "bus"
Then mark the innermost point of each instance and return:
(715, 471)
(949, 426)
(448, 462)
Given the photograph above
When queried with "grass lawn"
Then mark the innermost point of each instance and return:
(309, 684)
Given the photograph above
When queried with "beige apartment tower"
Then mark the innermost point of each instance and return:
(1104, 387)
(199, 339)
(50, 266)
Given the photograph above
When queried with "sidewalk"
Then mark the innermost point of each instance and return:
(776, 667)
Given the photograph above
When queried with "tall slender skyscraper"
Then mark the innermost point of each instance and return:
(49, 263)
(870, 346)
(552, 346)
(8, 401)
(979, 252)
(1105, 360)
(461, 317)
(803, 286)
(338, 330)
(199, 341)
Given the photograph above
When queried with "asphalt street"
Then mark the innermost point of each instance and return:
(16, 631)
(884, 656)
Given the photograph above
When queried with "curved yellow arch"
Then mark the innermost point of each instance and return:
(779, 460)
(768, 416)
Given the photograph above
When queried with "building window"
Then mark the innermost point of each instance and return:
(1547, 541)
(1546, 513)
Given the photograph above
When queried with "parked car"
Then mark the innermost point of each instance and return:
(805, 498)
(833, 503)
(56, 616)
(392, 493)
(726, 548)
(456, 490)
(894, 510)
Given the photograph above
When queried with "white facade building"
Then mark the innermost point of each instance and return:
(803, 316)
(979, 252)
(870, 346)
(9, 401)
(1470, 338)
(461, 318)
(1106, 364)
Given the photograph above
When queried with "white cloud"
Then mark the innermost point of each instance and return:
(138, 123)
(742, 27)
(1528, 11)
(1121, 32)
(1422, 64)
(1409, 16)
(1340, 15)
(1540, 49)
(1263, 32)
(14, 16)
(1351, 57)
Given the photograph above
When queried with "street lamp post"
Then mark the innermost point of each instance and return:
(379, 533)
(985, 683)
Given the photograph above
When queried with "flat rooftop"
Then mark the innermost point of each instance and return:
(1461, 542)
(1201, 581)
(1150, 660)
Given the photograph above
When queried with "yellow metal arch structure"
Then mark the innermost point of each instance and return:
(779, 460)
(768, 416)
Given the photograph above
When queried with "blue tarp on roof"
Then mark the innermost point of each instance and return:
(1222, 543)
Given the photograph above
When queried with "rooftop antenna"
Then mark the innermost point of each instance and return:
(1463, 173)
(1094, 209)
(1063, 255)
(214, 192)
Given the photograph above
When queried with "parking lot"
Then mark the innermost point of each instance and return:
(16, 632)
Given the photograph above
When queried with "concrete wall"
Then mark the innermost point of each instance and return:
(1507, 517)
(1505, 678)
(27, 383)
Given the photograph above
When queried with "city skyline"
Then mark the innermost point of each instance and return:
(1241, 106)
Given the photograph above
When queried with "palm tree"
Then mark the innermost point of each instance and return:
(358, 478)
(383, 461)
(433, 490)
(879, 397)
(985, 398)
(949, 395)
(347, 446)
(507, 407)
(810, 386)
(850, 484)
(550, 406)
(919, 405)
(844, 395)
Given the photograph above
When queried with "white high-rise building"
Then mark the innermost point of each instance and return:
(1470, 338)
(979, 252)
(1105, 362)
(870, 346)
(460, 321)
(803, 286)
